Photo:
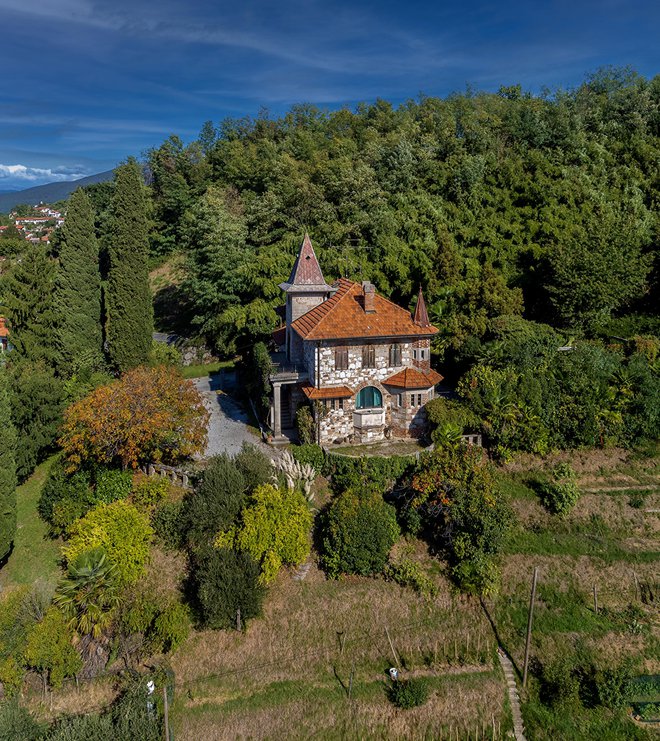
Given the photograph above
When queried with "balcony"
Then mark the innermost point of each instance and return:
(284, 371)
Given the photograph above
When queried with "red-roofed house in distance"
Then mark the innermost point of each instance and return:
(4, 336)
(362, 361)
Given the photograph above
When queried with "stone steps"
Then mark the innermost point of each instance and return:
(514, 698)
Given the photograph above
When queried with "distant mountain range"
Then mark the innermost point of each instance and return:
(50, 192)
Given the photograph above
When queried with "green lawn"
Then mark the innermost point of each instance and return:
(199, 371)
(35, 555)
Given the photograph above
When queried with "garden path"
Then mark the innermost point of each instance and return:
(228, 424)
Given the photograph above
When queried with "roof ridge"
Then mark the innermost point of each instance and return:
(323, 306)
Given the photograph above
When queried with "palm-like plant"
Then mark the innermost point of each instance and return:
(88, 594)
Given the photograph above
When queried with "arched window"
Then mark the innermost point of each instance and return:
(369, 398)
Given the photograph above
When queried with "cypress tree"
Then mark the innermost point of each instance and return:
(7, 471)
(27, 303)
(78, 287)
(128, 298)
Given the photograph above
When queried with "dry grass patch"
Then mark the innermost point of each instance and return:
(91, 697)
(307, 710)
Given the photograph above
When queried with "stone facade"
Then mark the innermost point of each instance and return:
(402, 413)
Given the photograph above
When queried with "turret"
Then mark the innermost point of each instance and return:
(305, 289)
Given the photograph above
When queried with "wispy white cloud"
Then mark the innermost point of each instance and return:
(23, 173)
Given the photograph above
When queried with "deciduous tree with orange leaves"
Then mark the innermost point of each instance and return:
(149, 414)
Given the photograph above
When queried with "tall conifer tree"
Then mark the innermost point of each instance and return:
(7, 470)
(27, 303)
(128, 298)
(78, 288)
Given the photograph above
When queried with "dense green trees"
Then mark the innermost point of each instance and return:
(7, 470)
(78, 288)
(498, 204)
(128, 297)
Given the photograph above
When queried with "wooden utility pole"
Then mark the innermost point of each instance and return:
(595, 599)
(166, 714)
(529, 625)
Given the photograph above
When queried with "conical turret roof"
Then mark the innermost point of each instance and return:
(421, 317)
(306, 274)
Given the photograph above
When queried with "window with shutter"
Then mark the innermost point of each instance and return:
(395, 356)
(369, 356)
(341, 358)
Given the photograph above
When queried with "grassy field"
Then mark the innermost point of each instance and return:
(314, 666)
(35, 555)
(207, 369)
(609, 542)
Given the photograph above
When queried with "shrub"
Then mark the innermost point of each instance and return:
(409, 693)
(217, 501)
(131, 719)
(64, 498)
(169, 524)
(560, 494)
(559, 683)
(112, 484)
(50, 649)
(614, 686)
(171, 626)
(305, 425)
(347, 472)
(357, 532)
(478, 575)
(148, 491)
(121, 530)
(409, 573)
(11, 677)
(254, 466)
(274, 529)
(227, 581)
(17, 723)
(445, 415)
(82, 727)
(312, 455)
(163, 354)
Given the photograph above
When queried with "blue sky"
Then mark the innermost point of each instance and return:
(86, 83)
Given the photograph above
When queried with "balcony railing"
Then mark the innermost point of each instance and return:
(280, 367)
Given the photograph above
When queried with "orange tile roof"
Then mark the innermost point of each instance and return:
(336, 392)
(4, 332)
(414, 378)
(343, 316)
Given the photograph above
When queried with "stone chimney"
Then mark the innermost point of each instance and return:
(368, 297)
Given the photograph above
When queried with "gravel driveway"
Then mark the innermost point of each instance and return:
(228, 425)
